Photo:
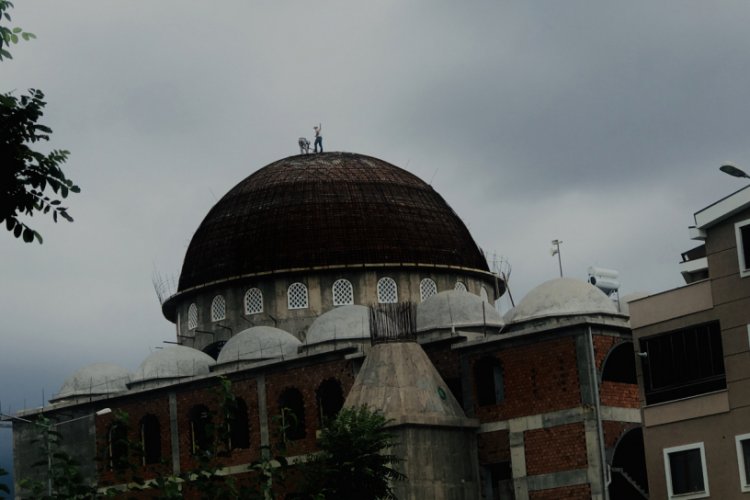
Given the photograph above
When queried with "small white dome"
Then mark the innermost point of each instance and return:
(454, 308)
(563, 297)
(345, 322)
(94, 380)
(258, 343)
(177, 361)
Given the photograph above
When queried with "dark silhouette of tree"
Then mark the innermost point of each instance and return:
(27, 175)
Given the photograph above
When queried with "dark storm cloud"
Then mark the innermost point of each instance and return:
(595, 122)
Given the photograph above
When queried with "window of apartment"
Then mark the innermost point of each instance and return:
(685, 467)
(387, 291)
(218, 308)
(296, 296)
(253, 301)
(343, 293)
(683, 363)
(742, 230)
(427, 288)
(743, 459)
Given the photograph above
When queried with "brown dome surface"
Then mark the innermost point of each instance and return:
(328, 209)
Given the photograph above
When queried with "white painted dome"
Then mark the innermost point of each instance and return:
(258, 343)
(94, 380)
(457, 309)
(342, 323)
(177, 361)
(563, 297)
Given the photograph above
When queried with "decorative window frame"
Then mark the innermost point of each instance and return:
(297, 291)
(218, 308)
(342, 287)
(668, 472)
(192, 316)
(256, 295)
(384, 294)
(744, 479)
(741, 247)
(427, 288)
(460, 287)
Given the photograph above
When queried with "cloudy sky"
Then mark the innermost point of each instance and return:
(598, 123)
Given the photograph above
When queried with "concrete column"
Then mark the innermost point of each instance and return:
(174, 433)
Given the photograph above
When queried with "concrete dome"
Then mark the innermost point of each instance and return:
(454, 308)
(335, 209)
(173, 362)
(345, 322)
(94, 380)
(563, 297)
(258, 343)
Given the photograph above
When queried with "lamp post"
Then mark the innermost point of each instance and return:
(47, 429)
(556, 251)
(733, 171)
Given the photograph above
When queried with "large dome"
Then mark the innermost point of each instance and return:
(329, 209)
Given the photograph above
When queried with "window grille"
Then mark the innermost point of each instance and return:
(483, 294)
(742, 230)
(297, 296)
(343, 293)
(253, 301)
(387, 291)
(460, 287)
(427, 288)
(218, 308)
(192, 317)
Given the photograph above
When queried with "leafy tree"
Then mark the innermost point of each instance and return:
(27, 174)
(354, 461)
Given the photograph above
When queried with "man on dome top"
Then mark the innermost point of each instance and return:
(318, 138)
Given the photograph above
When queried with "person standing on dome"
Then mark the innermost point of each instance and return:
(318, 138)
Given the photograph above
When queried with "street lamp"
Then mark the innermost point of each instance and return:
(47, 428)
(556, 251)
(733, 171)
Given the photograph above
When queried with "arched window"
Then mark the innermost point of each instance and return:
(330, 400)
(460, 287)
(488, 379)
(192, 317)
(150, 439)
(427, 288)
(483, 294)
(200, 432)
(239, 429)
(343, 293)
(253, 301)
(292, 407)
(218, 308)
(387, 291)
(297, 296)
(117, 446)
(619, 365)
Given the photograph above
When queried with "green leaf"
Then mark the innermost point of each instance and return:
(17, 30)
(38, 237)
(17, 230)
(14, 38)
(28, 235)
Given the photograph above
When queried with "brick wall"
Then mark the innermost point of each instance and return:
(493, 447)
(306, 379)
(602, 345)
(613, 430)
(619, 394)
(538, 378)
(555, 449)
(577, 492)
